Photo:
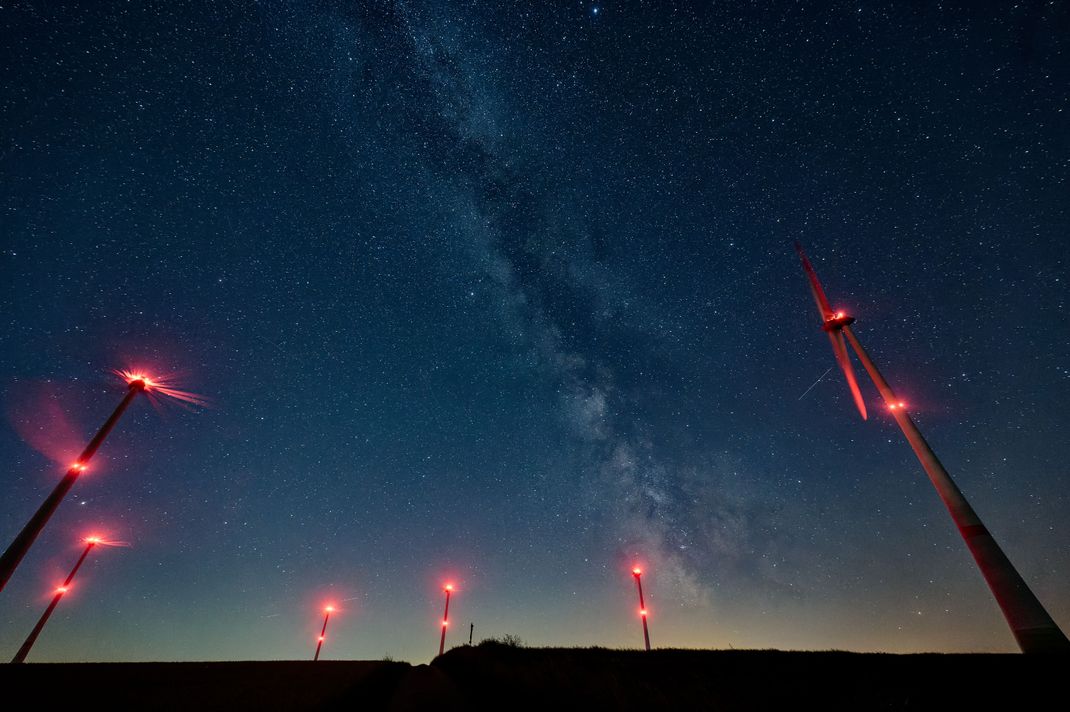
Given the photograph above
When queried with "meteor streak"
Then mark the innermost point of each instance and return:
(816, 382)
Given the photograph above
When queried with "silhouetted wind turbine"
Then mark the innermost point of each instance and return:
(1030, 623)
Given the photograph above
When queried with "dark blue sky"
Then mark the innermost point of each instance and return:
(505, 294)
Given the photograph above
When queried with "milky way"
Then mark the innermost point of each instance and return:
(506, 294)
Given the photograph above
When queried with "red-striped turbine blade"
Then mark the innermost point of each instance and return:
(839, 347)
(820, 299)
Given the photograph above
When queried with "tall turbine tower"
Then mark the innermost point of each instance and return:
(1030, 623)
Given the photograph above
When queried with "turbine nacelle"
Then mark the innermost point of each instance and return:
(833, 323)
(837, 321)
(1032, 626)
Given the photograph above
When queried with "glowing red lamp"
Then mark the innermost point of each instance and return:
(327, 611)
(448, 588)
(638, 573)
(90, 542)
(136, 383)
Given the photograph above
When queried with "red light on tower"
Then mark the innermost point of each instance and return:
(327, 611)
(136, 383)
(20, 656)
(448, 588)
(638, 573)
(160, 385)
(1032, 626)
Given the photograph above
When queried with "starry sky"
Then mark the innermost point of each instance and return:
(504, 294)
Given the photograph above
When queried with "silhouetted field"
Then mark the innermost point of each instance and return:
(502, 677)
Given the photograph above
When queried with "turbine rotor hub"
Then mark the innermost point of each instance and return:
(837, 322)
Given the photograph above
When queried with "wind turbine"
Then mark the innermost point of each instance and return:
(1030, 623)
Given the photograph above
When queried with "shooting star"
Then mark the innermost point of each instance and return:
(815, 383)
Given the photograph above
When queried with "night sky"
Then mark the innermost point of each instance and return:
(504, 294)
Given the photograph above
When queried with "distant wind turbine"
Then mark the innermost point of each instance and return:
(1030, 623)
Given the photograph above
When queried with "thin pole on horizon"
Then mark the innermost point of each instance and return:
(448, 588)
(471, 630)
(22, 543)
(1032, 626)
(637, 573)
(323, 632)
(20, 656)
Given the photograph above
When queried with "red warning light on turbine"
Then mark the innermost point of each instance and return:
(448, 587)
(78, 466)
(160, 386)
(329, 609)
(135, 377)
(637, 571)
(642, 612)
(61, 589)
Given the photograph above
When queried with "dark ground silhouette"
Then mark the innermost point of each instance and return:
(504, 677)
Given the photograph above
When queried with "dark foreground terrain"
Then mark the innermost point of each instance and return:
(493, 676)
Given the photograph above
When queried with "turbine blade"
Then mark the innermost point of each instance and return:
(820, 299)
(839, 347)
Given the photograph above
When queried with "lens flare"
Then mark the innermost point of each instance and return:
(97, 540)
(161, 386)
